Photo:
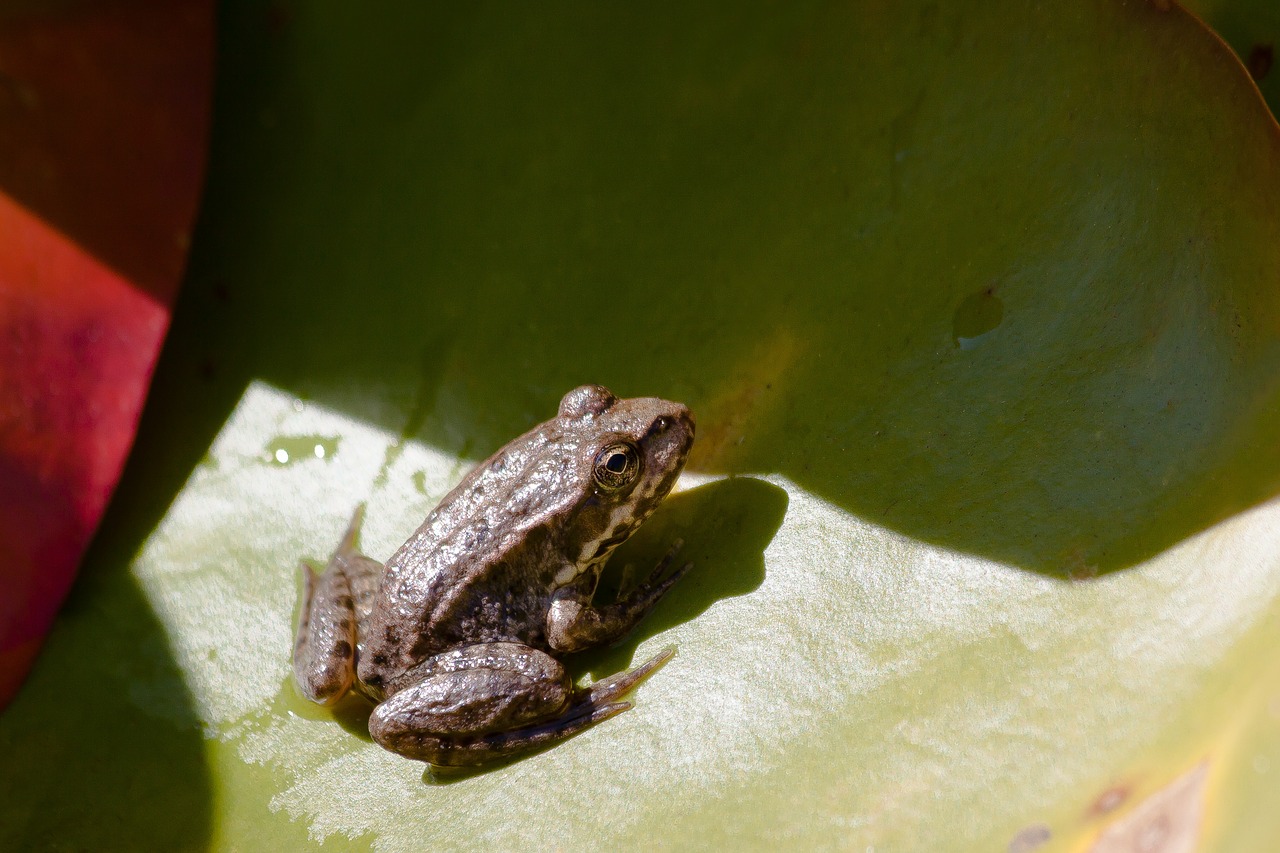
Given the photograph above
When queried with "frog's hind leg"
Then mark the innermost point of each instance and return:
(491, 701)
(334, 604)
(363, 573)
(592, 705)
(324, 651)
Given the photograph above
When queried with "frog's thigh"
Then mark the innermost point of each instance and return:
(473, 690)
(324, 652)
(457, 748)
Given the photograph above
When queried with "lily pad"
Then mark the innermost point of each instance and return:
(976, 310)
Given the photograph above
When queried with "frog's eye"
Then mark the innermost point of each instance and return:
(617, 466)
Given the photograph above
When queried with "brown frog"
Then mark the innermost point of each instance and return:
(457, 638)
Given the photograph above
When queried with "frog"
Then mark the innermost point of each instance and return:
(459, 638)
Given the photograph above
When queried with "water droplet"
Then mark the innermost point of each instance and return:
(978, 315)
(286, 449)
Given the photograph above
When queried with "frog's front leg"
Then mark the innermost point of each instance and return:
(574, 624)
(474, 704)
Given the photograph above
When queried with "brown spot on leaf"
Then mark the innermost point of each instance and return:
(1030, 838)
(1109, 800)
(1168, 821)
(1259, 62)
(1079, 570)
(726, 419)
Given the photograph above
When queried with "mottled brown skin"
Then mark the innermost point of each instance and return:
(457, 638)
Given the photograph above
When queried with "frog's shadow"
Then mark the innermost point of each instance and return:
(726, 525)
(352, 713)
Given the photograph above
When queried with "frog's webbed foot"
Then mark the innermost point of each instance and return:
(333, 603)
(606, 690)
(494, 700)
(573, 626)
(654, 587)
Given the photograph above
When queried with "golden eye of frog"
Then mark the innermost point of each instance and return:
(458, 637)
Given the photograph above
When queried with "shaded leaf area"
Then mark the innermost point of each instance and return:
(1252, 28)
(985, 292)
(726, 525)
(783, 226)
(103, 748)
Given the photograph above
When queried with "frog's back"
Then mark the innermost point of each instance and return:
(481, 567)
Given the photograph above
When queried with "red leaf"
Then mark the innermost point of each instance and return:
(103, 130)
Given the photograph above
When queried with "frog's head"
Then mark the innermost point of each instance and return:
(630, 453)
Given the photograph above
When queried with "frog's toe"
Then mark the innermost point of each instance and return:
(656, 585)
(351, 538)
(619, 684)
(660, 569)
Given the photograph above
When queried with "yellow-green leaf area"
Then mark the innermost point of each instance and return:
(976, 307)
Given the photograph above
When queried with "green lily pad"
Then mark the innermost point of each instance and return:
(975, 308)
